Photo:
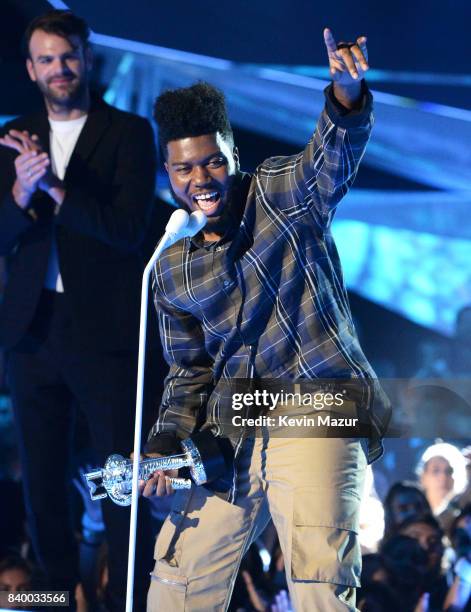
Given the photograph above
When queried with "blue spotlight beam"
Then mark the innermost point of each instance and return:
(382, 76)
(421, 276)
(441, 213)
(422, 141)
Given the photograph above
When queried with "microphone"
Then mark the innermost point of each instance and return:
(175, 226)
(181, 225)
(196, 223)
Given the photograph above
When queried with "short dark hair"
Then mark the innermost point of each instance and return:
(402, 486)
(191, 111)
(426, 519)
(14, 561)
(59, 22)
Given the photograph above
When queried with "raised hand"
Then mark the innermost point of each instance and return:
(33, 166)
(21, 141)
(348, 62)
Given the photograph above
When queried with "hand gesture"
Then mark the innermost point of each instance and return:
(348, 62)
(21, 141)
(31, 165)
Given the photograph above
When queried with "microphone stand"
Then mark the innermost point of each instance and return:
(173, 232)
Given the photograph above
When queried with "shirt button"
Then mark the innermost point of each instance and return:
(219, 248)
(226, 283)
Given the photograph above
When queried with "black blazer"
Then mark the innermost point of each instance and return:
(100, 230)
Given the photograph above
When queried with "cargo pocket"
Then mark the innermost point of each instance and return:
(168, 586)
(325, 546)
(168, 545)
(167, 590)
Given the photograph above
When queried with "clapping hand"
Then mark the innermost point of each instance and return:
(33, 166)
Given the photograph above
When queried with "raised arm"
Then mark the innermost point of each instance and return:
(316, 179)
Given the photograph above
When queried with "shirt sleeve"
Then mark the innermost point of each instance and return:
(189, 381)
(317, 178)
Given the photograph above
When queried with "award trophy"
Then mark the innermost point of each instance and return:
(115, 479)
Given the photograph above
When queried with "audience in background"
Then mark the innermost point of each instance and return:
(405, 564)
(416, 569)
(16, 576)
(443, 477)
(403, 500)
(426, 531)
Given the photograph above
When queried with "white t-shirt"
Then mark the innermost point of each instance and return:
(62, 140)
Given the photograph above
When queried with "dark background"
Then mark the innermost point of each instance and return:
(420, 35)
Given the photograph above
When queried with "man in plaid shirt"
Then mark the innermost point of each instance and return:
(259, 294)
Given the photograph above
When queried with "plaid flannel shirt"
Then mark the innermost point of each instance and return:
(267, 300)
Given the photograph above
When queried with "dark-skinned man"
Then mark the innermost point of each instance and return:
(259, 295)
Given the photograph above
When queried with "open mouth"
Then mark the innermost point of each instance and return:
(208, 202)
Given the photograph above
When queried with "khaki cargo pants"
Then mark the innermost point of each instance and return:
(311, 487)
